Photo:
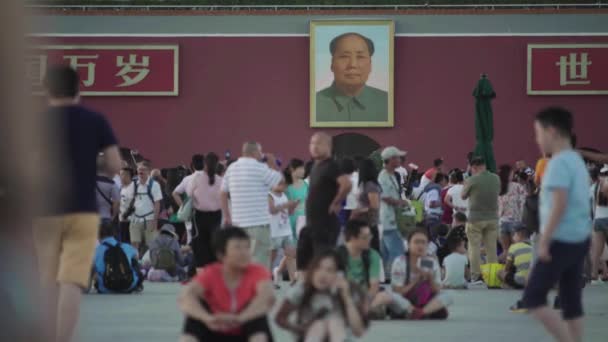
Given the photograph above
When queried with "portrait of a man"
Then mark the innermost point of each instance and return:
(355, 90)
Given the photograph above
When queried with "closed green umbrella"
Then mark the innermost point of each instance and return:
(484, 121)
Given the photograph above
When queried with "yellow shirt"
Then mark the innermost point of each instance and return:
(521, 255)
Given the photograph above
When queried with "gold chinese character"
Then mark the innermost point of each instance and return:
(89, 65)
(132, 66)
(571, 71)
(35, 68)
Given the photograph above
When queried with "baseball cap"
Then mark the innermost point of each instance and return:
(391, 152)
(168, 228)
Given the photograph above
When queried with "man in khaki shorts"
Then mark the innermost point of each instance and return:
(65, 234)
(146, 196)
(247, 183)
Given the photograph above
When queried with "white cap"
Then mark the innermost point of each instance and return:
(604, 168)
(391, 152)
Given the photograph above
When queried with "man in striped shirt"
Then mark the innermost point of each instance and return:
(247, 183)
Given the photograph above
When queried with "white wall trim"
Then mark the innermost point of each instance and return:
(171, 35)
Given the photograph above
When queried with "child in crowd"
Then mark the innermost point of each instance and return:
(281, 234)
(325, 305)
(297, 191)
(228, 300)
(519, 259)
(455, 266)
(110, 273)
(565, 228)
(439, 235)
(416, 283)
(456, 233)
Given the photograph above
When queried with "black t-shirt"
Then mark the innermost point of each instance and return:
(81, 134)
(322, 190)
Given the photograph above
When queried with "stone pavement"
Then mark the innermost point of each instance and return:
(477, 315)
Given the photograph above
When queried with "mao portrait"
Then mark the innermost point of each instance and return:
(351, 71)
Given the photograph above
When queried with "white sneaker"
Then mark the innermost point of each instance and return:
(276, 276)
(596, 282)
(477, 282)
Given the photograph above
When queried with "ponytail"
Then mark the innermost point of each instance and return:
(211, 162)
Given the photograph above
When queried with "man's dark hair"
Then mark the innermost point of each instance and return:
(460, 217)
(440, 177)
(61, 81)
(456, 177)
(106, 229)
(478, 161)
(521, 229)
(353, 229)
(334, 42)
(222, 236)
(558, 118)
(454, 244)
(440, 230)
(198, 162)
(129, 170)
(348, 166)
(437, 162)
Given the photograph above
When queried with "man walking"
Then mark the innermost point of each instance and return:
(327, 190)
(246, 185)
(65, 237)
(392, 241)
(145, 205)
(482, 190)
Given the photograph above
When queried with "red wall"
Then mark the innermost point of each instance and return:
(234, 89)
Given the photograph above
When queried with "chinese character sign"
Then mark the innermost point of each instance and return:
(567, 69)
(107, 70)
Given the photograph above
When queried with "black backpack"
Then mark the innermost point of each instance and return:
(365, 257)
(118, 275)
(530, 215)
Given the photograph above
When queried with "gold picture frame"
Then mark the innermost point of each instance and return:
(373, 83)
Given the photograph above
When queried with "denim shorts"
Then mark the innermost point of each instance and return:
(601, 225)
(282, 242)
(508, 227)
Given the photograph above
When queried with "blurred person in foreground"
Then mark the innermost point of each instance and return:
(66, 234)
(565, 229)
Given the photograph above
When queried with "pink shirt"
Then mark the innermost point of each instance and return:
(205, 197)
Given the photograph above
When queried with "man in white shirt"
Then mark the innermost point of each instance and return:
(198, 165)
(146, 207)
(247, 183)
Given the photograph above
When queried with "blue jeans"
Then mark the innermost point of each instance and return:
(392, 248)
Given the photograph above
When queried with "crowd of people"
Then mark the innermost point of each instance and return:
(356, 240)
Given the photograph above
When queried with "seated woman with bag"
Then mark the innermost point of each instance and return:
(416, 283)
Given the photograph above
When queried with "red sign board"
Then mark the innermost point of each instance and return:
(567, 69)
(111, 70)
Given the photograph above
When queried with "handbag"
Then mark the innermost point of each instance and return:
(489, 273)
(405, 218)
(184, 214)
(422, 293)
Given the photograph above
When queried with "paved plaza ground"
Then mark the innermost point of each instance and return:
(477, 315)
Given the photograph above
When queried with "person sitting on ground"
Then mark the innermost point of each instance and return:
(116, 267)
(362, 264)
(519, 259)
(416, 279)
(438, 235)
(228, 300)
(326, 306)
(455, 266)
(456, 233)
(167, 258)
